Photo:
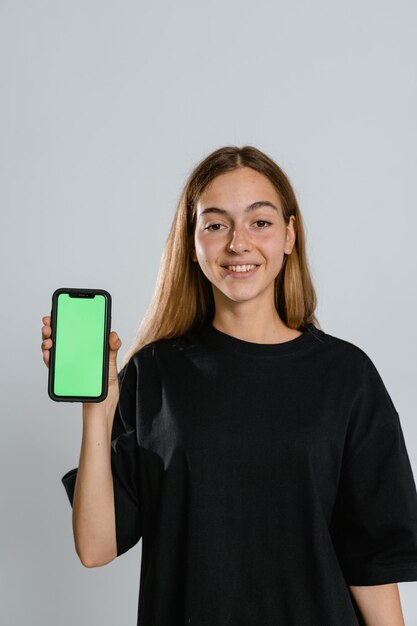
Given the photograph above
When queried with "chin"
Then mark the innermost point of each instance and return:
(240, 294)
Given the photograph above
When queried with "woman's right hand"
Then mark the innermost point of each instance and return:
(114, 345)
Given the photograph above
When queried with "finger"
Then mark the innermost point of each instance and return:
(47, 320)
(115, 341)
(46, 331)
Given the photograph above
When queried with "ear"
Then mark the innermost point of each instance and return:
(291, 235)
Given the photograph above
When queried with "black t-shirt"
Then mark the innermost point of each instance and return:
(263, 480)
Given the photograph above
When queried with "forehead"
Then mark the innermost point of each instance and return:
(236, 190)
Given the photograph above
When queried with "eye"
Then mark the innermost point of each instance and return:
(211, 226)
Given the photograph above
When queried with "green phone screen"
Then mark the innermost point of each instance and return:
(79, 345)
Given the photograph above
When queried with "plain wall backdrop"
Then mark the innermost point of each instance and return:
(105, 108)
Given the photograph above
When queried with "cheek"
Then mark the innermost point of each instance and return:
(272, 242)
(268, 241)
(205, 247)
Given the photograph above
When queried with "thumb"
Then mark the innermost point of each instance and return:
(114, 344)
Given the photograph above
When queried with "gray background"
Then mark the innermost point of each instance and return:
(105, 109)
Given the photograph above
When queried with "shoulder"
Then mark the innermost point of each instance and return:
(355, 363)
(128, 374)
(169, 345)
(148, 356)
(345, 350)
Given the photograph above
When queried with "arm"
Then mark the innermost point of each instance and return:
(379, 605)
(93, 506)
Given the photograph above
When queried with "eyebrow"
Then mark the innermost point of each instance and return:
(251, 207)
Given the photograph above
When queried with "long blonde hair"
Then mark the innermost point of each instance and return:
(183, 297)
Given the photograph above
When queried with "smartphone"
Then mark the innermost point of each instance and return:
(79, 357)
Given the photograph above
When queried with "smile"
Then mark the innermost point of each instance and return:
(241, 271)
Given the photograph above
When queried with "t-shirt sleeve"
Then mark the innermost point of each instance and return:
(125, 464)
(374, 523)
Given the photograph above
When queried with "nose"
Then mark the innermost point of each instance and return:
(239, 241)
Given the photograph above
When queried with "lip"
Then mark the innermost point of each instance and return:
(241, 275)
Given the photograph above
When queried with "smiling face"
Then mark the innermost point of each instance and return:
(239, 221)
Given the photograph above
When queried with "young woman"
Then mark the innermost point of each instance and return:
(260, 459)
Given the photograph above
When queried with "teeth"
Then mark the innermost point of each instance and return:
(241, 268)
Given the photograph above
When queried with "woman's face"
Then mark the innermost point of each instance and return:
(229, 233)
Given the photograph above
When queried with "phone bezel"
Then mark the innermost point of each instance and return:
(107, 326)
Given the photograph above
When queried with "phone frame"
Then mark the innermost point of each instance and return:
(107, 325)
